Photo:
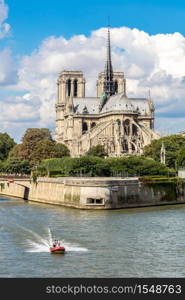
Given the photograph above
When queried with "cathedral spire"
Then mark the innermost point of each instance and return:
(109, 88)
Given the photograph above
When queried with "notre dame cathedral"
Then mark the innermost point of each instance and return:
(121, 124)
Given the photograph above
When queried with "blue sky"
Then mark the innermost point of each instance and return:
(34, 20)
(40, 38)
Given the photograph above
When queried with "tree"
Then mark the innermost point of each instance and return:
(1, 166)
(172, 145)
(97, 151)
(16, 152)
(31, 138)
(137, 166)
(181, 158)
(61, 150)
(43, 149)
(30, 141)
(15, 166)
(96, 166)
(37, 144)
(67, 166)
(6, 144)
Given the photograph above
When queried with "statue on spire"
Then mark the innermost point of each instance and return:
(152, 108)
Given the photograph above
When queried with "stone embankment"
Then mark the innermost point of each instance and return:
(92, 193)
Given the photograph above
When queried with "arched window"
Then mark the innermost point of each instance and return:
(116, 86)
(134, 129)
(133, 147)
(84, 127)
(126, 126)
(68, 85)
(117, 127)
(75, 88)
(125, 146)
(93, 124)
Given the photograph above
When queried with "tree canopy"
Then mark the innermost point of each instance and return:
(31, 139)
(172, 144)
(37, 144)
(61, 150)
(6, 144)
(42, 150)
(181, 158)
(16, 152)
(98, 151)
(15, 166)
(96, 166)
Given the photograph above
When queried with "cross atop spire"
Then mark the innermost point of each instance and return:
(109, 87)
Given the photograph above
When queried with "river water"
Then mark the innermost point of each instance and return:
(144, 242)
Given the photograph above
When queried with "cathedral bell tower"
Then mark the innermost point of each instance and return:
(71, 84)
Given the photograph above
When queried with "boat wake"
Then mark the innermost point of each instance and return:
(44, 244)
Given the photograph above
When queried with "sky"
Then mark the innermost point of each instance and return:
(40, 38)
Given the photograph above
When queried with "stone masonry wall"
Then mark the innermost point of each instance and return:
(93, 193)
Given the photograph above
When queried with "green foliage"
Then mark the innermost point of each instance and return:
(86, 165)
(16, 152)
(61, 150)
(1, 166)
(15, 166)
(37, 144)
(35, 175)
(96, 166)
(138, 166)
(181, 158)
(2, 186)
(31, 139)
(172, 145)
(42, 150)
(41, 171)
(162, 179)
(98, 151)
(56, 173)
(6, 144)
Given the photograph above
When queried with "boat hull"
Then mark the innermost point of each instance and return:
(57, 250)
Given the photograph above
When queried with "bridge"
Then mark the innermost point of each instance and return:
(10, 183)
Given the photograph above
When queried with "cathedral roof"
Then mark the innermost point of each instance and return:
(118, 102)
(86, 104)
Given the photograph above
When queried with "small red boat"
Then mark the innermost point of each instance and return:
(57, 250)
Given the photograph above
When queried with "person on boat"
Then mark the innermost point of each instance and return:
(57, 243)
(54, 243)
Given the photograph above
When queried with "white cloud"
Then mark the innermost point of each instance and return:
(8, 71)
(7, 65)
(4, 27)
(19, 113)
(154, 62)
(20, 109)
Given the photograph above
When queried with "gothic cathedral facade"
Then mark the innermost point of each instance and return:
(122, 125)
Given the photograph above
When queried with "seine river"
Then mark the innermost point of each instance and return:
(145, 242)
